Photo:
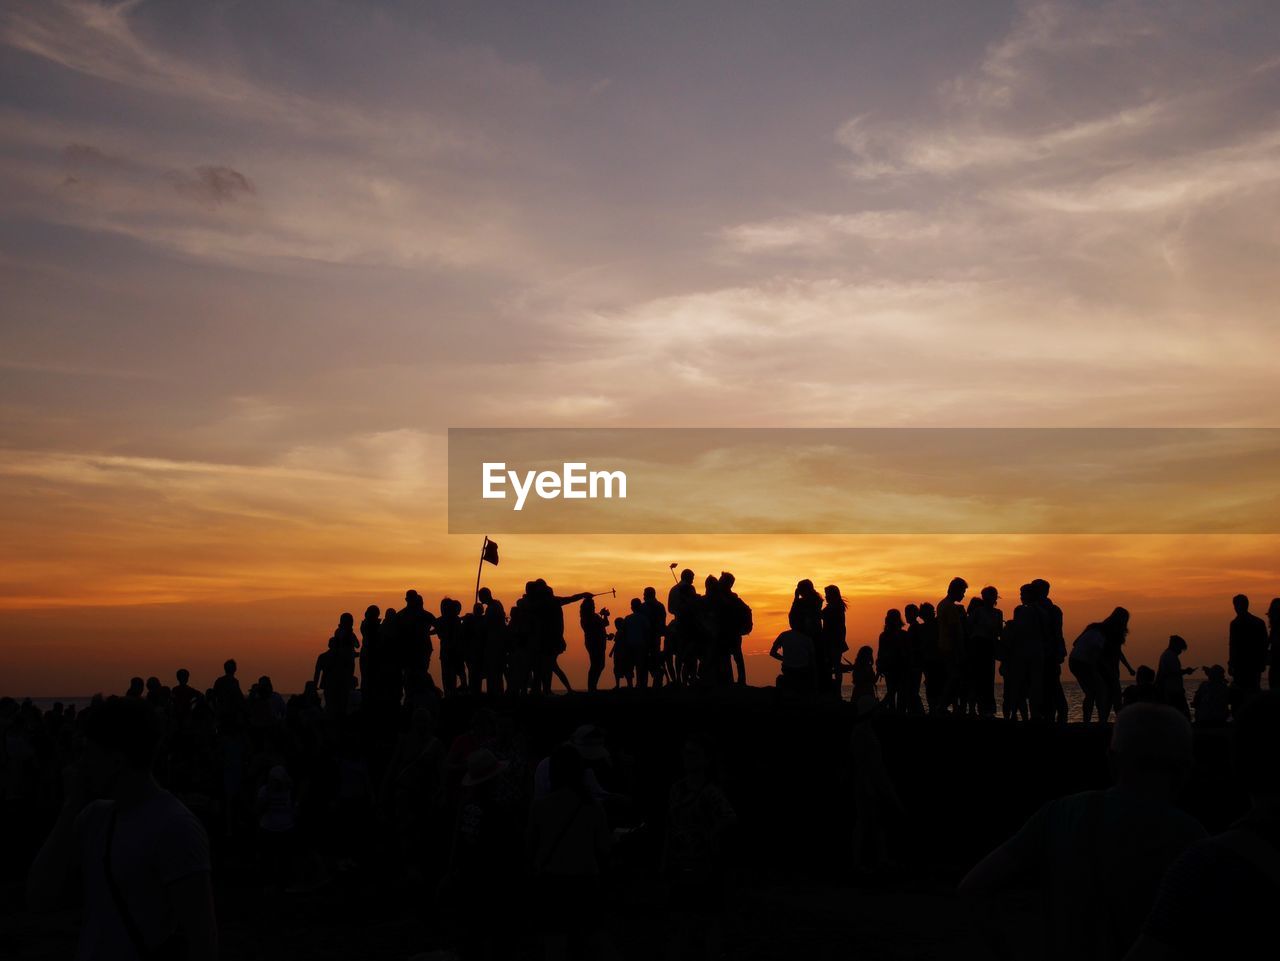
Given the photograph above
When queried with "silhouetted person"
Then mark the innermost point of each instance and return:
(594, 631)
(942, 670)
(1246, 648)
(567, 842)
(655, 614)
(917, 643)
(893, 652)
(136, 688)
(1218, 899)
(549, 642)
(682, 603)
(228, 699)
(483, 861)
(414, 624)
(795, 650)
(736, 624)
(377, 663)
(1055, 653)
(495, 641)
(805, 616)
(1085, 664)
(864, 674)
(453, 661)
(1212, 699)
(473, 646)
(333, 673)
(183, 696)
(1169, 675)
(1023, 662)
(139, 858)
(834, 632)
(1097, 857)
(1115, 628)
(699, 821)
(1143, 690)
(986, 626)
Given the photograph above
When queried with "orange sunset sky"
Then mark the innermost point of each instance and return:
(257, 258)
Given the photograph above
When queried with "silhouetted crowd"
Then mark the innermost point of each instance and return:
(353, 768)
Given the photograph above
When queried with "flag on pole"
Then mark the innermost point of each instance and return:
(490, 552)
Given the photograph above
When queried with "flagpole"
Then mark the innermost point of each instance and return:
(480, 567)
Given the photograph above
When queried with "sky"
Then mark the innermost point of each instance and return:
(258, 257)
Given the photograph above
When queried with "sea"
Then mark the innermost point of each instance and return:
(1075, 697)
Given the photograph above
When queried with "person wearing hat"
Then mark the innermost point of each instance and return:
(1097, 857)
(485, 853)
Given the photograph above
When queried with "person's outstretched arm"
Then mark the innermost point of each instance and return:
(51, 878)
(1125, 661)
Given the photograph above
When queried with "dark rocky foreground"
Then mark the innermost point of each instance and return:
(966, 784)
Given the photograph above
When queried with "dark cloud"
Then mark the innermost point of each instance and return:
(212, 184)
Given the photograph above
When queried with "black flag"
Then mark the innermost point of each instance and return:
(490, 552)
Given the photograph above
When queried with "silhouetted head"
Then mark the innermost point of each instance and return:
(1257, 762)
(1177, 644)
(531, 587)
(727, 580)
(1273, 610)
(1026, 594)
(712, 584)
(990, 595)
(477, 609)
(1116, 625)
(371, 613)
(1041, 588)
(686, 576)
(892, 619)
(927, 613)
(635, 604)
(265, 685)
(1151, 749)
(865, 655)
(806, 589)
(587, 607)
(650, 594)
(911, 612)
(485, 595)
(183, 675)
(833, 597)
(153, 685)
(956, 589)
(121, 735)
(1144, 675)
(135, 686)
(1241, 603)
(567, 770)
(229, 667)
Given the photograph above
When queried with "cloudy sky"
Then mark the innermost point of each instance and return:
(257, 257)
